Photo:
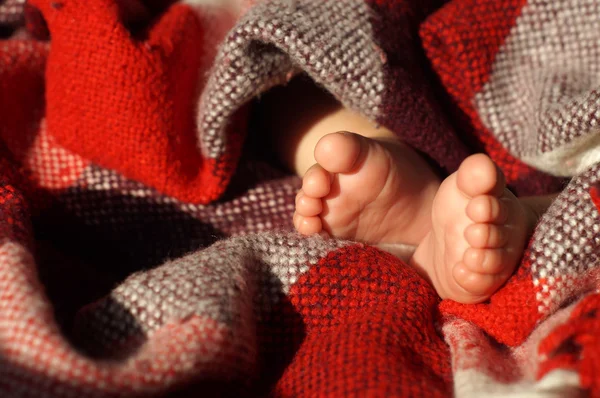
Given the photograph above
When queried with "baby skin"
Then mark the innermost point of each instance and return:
(360, 182)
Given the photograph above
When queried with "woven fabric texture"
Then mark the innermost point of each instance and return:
(146, 247)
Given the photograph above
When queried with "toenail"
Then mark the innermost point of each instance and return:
(295, 220)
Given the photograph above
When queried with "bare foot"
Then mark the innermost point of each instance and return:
(470, 230)
(370, 190)
(478, 235)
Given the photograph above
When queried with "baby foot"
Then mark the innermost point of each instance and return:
(371, 190)
(478, 233)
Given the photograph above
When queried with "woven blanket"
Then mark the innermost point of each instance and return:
(146, 245)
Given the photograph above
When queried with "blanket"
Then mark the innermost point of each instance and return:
(146, 245)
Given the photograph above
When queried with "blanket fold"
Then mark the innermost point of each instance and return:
(145, 250)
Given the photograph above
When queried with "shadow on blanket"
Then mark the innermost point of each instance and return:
(88, 260)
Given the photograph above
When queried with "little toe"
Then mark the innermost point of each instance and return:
(486, 236)
(307, 225)
(478, 175)
(487, 209)
(486, 261)
(340, 152)
(478, 287)
(307, 206)
(316, 182)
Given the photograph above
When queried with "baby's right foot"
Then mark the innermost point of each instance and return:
(370, 190)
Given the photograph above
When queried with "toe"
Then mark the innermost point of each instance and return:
(478, 175)
(486, 236)
(478, 287)
(307, 225)
(486, 261)
(316, 182)
(340, 152)
(487, 209)
(307, 206)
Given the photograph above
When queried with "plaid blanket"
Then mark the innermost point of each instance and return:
(146, 246)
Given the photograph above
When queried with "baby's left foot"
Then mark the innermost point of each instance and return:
(478, 235)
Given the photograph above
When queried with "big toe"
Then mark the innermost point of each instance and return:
(478, 175)
(340, 152)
